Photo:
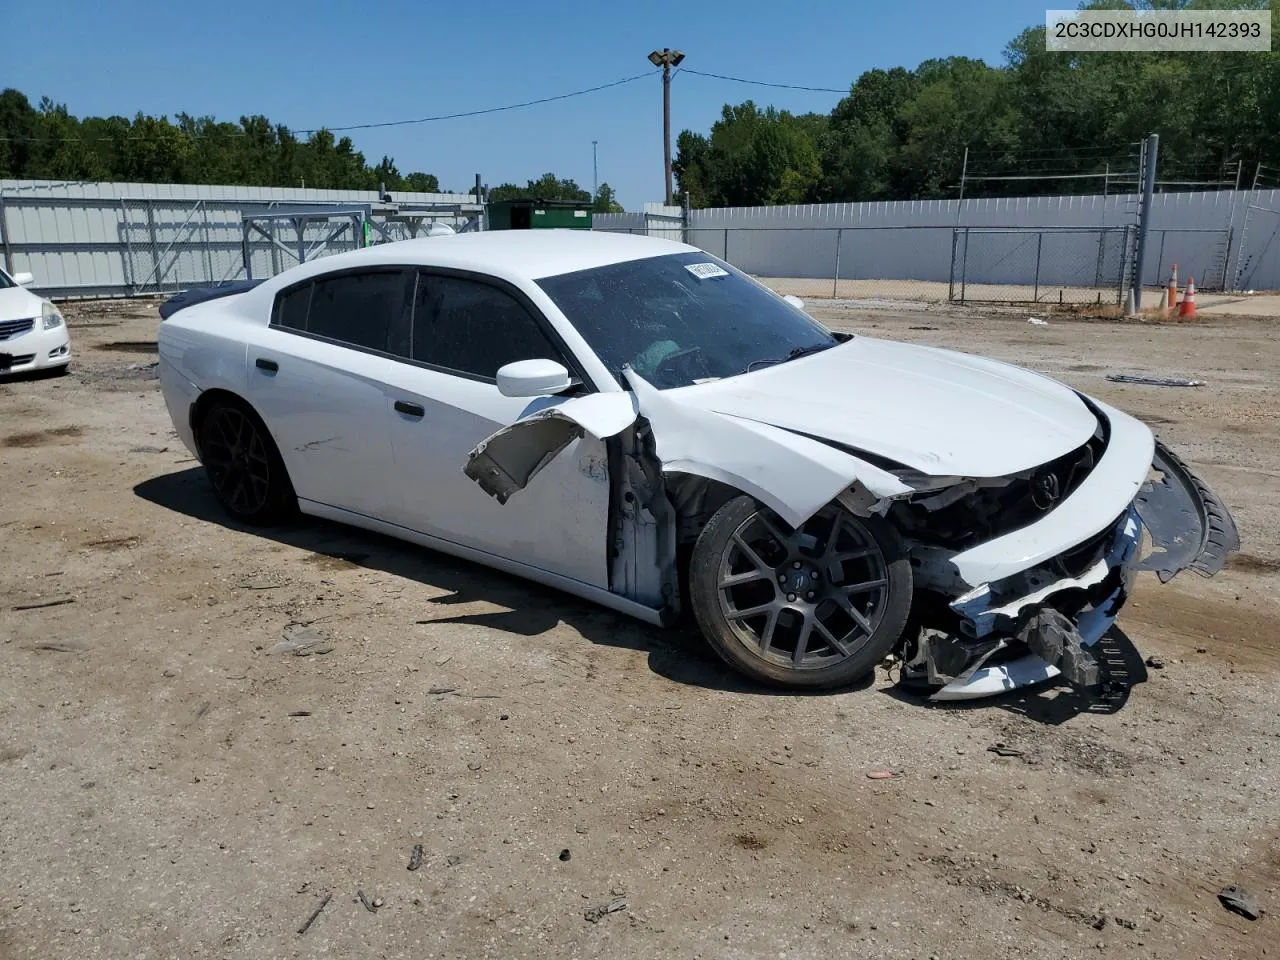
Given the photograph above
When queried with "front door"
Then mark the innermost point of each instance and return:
(463, 330)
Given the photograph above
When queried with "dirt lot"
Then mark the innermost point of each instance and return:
(171, 790)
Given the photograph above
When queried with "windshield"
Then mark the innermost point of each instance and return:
(6, 280)
(682, 318)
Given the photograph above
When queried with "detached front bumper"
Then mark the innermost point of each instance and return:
(1038, 624)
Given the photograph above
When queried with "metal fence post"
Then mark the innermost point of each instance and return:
(1039, 244)
(951, 281)
(154, 242)
(835, 281)
(208, 246)
(726, 246)
(964, 265)
(4, 236)
(130, 263)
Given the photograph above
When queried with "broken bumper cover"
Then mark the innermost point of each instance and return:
(1058, 617)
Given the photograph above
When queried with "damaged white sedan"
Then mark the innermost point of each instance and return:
(640, 424)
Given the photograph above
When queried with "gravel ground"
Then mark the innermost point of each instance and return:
(171, 788)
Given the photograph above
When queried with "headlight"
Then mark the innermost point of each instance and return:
(50, 317)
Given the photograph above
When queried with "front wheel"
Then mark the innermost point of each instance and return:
(811, 608)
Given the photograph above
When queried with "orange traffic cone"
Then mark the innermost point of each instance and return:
(1173, 289)
(1188, 307)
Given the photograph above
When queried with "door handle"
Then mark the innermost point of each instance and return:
(268, 365)
(409, 409)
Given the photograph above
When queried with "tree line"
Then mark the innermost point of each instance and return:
(47, 142)
(1074, 117)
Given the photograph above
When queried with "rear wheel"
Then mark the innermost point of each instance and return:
(244, 466)
(810, 608)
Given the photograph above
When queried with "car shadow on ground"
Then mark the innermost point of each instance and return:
(678, 653)
(1055, 702)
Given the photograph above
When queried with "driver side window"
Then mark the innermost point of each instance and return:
(474, 328)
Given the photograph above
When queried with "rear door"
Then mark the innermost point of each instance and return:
(464, 327)
(318, 377)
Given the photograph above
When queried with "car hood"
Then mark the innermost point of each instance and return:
(941, 412)
(18, 303)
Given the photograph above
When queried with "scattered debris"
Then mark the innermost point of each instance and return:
(1038, 321)
(262, 582)
(596, 914)
(922, 328)
(1238, 900)
(302, 641)
(415, 858)
(371, 907)
(61, 646)
(41, 606)
(1154, 662)
(565, 855)
(1154, 381)
(1004, 750)
(885, 774)
(504, 717)
(443, 690)
(453, 859)
(299, 713)
(315, 913)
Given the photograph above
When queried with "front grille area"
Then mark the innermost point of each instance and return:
(13, 328)
(22, 359)
(995, 511)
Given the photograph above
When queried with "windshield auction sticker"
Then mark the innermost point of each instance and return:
(1120, 31)
(705, 271)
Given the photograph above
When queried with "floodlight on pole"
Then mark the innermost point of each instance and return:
(666, 58)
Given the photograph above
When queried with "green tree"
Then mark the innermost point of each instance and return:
(606, 201)
(546, 187)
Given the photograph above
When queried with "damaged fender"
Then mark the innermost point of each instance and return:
(792, 475)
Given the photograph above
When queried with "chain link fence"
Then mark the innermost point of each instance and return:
(932, 264)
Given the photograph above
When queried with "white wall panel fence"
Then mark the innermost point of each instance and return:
(122, 239)
(1078, 246)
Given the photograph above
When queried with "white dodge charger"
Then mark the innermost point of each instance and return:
(640, 424)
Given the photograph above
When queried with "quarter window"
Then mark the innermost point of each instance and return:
(474, 327)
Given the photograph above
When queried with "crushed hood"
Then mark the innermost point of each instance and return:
(937, 411)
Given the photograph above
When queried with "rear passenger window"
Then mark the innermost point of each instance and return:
(474, 328)
(362, 309)
(358, 308)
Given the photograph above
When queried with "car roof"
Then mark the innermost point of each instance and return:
(510, 254)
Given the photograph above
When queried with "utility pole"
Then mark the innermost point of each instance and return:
(595, 172)
(1144, 220)
(666, 58)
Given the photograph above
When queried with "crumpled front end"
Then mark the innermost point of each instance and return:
(1031, 621)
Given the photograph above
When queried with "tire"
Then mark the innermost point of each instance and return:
(841, 608)
(244, 465)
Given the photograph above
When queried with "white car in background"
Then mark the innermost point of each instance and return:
(638, 423)
(33, 335)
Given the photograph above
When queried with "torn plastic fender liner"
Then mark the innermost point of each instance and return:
(506, 461)
(792, 475)
(1189, 525)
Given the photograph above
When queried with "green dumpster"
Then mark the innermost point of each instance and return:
(530, 214)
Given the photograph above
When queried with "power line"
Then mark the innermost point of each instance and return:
(360, 126)
(477, 113)
(762, 83)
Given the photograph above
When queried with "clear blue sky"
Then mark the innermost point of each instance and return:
(326, 63)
